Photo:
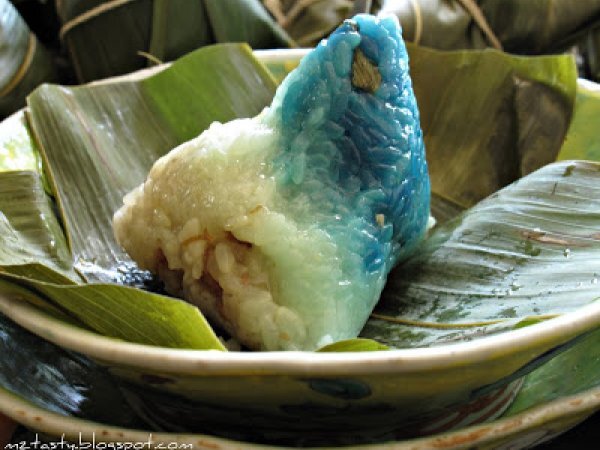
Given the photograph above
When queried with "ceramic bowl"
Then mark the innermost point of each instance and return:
(354, 396)
(59, 394)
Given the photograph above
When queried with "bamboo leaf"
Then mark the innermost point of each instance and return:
(529, 252)
(39, 271)
(215, 83)
(489, 118)
(123, 313)
(583, 139)
(592, 51)
(96, 53)
(10, 287)
(15, 37)
(30, 234)
(88, 150)
(98, 142)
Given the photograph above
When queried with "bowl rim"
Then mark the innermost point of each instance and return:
(532, 341)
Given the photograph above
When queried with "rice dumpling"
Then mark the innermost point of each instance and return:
(282, 228)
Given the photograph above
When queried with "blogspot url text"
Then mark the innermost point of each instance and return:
(91, 443)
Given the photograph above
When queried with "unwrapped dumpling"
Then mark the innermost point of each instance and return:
(282, 228)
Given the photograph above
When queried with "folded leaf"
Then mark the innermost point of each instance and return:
(105, 43)
(178, 27)
(99, 141)
(527, 253)
(569, 373)
(592, 53)
(10, 287)
(32, 231)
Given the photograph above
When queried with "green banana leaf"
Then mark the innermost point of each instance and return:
(188, 18)
(24, 62)
(527, 253)
(246, 21)
(583, 138)
(98, 141)
(106, 39)
(34, 254)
